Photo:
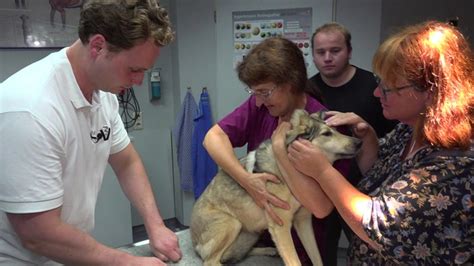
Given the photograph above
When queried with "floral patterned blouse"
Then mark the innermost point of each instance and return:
(422, 208)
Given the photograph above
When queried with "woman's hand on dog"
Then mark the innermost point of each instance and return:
(360, 128)
(256, 187)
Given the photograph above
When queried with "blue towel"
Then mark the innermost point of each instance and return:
(204, 167)
(183, 135)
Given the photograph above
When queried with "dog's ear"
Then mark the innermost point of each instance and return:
(302, 127)
(308, 132)
(296, 117)
(319, 115)
(296, 121)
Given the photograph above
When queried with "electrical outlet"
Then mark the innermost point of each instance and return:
(139, 122)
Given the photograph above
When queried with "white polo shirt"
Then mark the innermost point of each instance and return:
(54, 148)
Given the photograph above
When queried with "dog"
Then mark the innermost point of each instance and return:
(226, 222)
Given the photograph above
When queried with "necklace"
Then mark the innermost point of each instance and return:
(408, 152)
(412, 147)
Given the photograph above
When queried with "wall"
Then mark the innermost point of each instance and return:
(113, 219)
(365, 30)
(154, 142)
(362, 18)
(11, 60)
(196, 68)
(399, 13)
(230, 92)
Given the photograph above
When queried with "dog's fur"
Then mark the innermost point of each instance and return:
(226, 222)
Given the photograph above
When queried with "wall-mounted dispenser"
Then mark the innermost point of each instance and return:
(155, 85)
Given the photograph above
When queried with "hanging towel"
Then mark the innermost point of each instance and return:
(183, 135)
(204, 167)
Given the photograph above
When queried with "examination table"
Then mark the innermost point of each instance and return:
(190, 258)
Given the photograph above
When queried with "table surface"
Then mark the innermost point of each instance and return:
(190, 258)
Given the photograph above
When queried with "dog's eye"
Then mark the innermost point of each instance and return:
(327, 133)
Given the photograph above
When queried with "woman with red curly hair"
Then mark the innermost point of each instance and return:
(415, 204)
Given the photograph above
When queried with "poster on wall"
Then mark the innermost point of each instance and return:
(252, 27)
(39, 23)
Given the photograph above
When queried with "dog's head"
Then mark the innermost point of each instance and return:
(313, 128)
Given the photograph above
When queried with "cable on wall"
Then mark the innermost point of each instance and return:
(129, 108)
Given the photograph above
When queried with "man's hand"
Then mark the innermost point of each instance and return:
(164, 244)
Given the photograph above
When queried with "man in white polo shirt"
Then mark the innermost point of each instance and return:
(60, 125)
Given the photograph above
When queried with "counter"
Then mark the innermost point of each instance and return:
(190, 258)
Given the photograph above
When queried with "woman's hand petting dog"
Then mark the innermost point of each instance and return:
(256, 187)
(360, 128)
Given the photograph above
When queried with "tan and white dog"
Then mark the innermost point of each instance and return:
(226, 222)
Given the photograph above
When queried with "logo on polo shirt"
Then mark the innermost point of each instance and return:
(101, 134)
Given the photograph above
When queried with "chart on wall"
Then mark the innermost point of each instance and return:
(252, 27)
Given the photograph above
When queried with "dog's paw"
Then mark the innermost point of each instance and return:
(264, 251)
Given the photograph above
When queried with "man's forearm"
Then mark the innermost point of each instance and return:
(45, 234)
(134, 182)
(72, 246)
(137, 188)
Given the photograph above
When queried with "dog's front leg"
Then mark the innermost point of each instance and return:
(304, 228)
(281, 235)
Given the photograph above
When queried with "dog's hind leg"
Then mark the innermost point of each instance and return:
(304, 228)
(281, 235)
(221, 234)
(242, 245)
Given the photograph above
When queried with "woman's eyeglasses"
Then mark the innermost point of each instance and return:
(385, 90)
(263, 94)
